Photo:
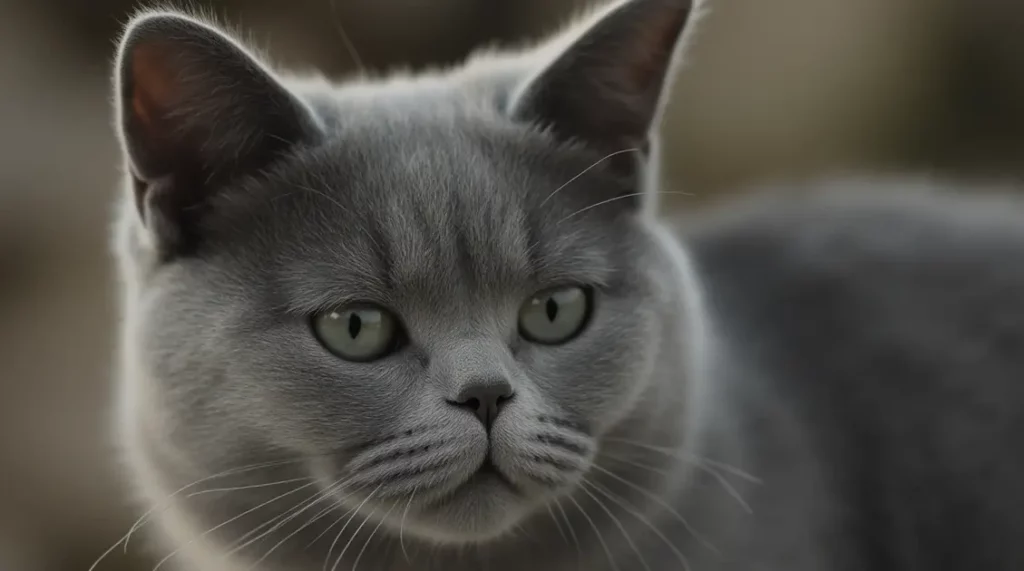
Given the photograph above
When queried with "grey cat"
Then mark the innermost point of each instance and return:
(434, 322)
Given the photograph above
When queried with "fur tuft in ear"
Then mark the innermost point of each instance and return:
(605, 88)
(196, 110)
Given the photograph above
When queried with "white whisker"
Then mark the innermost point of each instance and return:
(558, 524)
(600, 538)
(244, 541)
(359, 556)
(222, 524)
(700, 463)
(657, 499)
(617, 522)
(572, 532)
(401, 525)
(620, 197)
(325, 494)
(689, 457)
(355, 512)
(588, 169)
(248, 487)
(623, 504)
(166, 503)
(329, 528)
(337, 521)
(350, 47)
(359, 528)
(320, 515)
(729, 488)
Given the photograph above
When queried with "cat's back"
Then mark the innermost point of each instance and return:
(889, 320)
(896, 255)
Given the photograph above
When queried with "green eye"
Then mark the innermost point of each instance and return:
(357, 333)
(555, 316)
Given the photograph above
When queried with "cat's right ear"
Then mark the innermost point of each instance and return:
(195, 111)
(607, 82)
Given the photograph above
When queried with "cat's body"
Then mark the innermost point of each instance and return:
(442, 306)
(884, 321)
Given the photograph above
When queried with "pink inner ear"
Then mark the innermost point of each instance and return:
(650, 53)
(154, 85)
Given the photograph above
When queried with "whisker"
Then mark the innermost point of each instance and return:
(624, 505)
(701, 464)
(329, 528)
(600, 538)
(356, 533)
(320, 515)
(222, 524)
(618, 524)
(729, 488)
(249, 487)
(341, 532)
(632, 462)
(731, 470)
(621, 197)
(401, 525)
(280, 519)
(369, 539)
(336, 522)
(572, 532)
(657, 499)
(247, 538)
(588, 169)
(166, 503)
(323, 495)
(558, 524)
(350, 47)
(319, 193)
(689, 457)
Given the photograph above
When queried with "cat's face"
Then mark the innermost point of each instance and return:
(363, 301)
(398, 287)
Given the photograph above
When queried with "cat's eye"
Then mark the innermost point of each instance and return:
(359, 333)
(555, 316)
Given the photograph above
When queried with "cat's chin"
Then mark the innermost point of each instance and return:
(482, 509)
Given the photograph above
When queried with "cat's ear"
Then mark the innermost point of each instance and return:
(195, 110)
(606, 87)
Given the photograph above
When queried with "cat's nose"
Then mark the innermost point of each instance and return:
(484, 397)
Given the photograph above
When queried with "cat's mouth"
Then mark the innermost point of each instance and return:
(489, 472)
(487, 477)
(488, 467)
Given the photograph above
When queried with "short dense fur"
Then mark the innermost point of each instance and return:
(859, 353)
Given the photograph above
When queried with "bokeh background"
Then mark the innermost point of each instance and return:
(774, 90)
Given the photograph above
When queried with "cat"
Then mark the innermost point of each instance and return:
(436, 321)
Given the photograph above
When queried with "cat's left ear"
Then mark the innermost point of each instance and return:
(606, 88)
(195, 112)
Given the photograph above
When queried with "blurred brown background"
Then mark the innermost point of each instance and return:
(774, 89)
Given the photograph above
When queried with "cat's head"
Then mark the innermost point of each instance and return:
(432, 294)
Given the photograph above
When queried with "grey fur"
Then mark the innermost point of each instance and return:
(859, 355)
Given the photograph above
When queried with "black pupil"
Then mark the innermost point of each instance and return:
(551, 308)
(355, 324)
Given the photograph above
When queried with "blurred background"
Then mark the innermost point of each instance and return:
(774, 90)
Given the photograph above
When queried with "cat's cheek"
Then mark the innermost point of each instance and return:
(313, 402)
(627, 371)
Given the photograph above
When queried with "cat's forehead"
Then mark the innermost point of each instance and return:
(420, 177)
(440, 206)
